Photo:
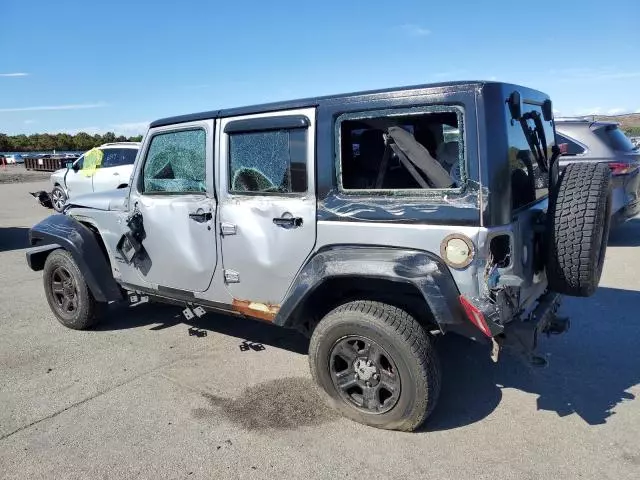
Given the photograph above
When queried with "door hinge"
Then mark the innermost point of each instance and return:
(231, 276)
(228, 228)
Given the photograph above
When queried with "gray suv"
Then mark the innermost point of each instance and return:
(372, 222)
(584, 140)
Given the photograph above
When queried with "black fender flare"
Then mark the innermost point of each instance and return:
(423, 269)
(63, 231)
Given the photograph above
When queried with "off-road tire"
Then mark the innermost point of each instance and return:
(403, 338)
(579, 221)
(58, 191)
(88, 310)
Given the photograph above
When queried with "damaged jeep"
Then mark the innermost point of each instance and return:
(372, 222)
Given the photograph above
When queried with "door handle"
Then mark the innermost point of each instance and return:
(288, 222)
(116, 174)
(201, 216)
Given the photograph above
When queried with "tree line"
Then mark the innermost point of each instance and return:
(59, 141)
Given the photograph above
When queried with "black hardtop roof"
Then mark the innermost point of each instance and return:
(387, 93)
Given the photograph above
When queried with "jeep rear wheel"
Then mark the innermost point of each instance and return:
(579, 222)
(67, 293)
(376, 365)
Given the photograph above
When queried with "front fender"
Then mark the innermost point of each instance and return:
(423, 269)
(62, 231)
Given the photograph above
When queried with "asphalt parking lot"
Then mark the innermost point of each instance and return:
(146, 395)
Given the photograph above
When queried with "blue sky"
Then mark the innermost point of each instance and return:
(68, 66)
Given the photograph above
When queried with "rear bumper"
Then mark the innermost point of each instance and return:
(522, 333)
(501, 322)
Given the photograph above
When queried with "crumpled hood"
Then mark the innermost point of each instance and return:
(106, 200)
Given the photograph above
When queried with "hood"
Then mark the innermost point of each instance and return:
(107, 200)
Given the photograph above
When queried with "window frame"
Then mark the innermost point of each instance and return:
(104, 151)
(263, 125)
(404, 112)
(584, 148)
(149, 142)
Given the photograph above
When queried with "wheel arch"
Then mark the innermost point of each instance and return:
(415, 280)
(87, 250)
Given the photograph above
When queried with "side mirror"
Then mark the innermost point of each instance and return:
(515, 105)
(547, 110)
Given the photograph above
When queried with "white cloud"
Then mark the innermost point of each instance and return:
(127, 129)
(415, 30)
(29, 122)
(76, 106)
(593, 75)
(589, 111)
(131, 128)
(17, 74)
(617, 111)
(90, 130)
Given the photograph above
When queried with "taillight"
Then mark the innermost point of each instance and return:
(475, 315)
(620, 168)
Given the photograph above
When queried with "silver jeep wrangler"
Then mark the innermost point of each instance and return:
(373, 222)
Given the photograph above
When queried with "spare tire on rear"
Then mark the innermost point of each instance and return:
(579, 217)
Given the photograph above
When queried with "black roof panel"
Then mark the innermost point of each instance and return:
(329, 99)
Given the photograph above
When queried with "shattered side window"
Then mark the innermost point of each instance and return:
(268, 162)
(420, 150)
(176, 163)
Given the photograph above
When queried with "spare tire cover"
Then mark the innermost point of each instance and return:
(579, 218)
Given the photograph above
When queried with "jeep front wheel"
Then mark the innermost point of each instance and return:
(67, 293)
(376, 365)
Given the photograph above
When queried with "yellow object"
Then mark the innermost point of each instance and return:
(92, 160)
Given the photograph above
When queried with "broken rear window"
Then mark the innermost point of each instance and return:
(401, 150)
(268, 162)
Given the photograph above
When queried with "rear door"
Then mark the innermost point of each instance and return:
(267, 201)
(115, 169)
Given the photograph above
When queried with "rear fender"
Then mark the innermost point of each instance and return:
(62, 231)
(422, 269)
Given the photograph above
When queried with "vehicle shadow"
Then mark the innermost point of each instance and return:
(13, 238)
(626, 234)
(159, 317)
(591, 368)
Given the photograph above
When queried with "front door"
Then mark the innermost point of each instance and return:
(267, 201)
(173, 190)
(78, 179)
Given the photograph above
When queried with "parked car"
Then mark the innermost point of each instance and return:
(372, 222)
(582, 140)
(114, 172)
(14, 159)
